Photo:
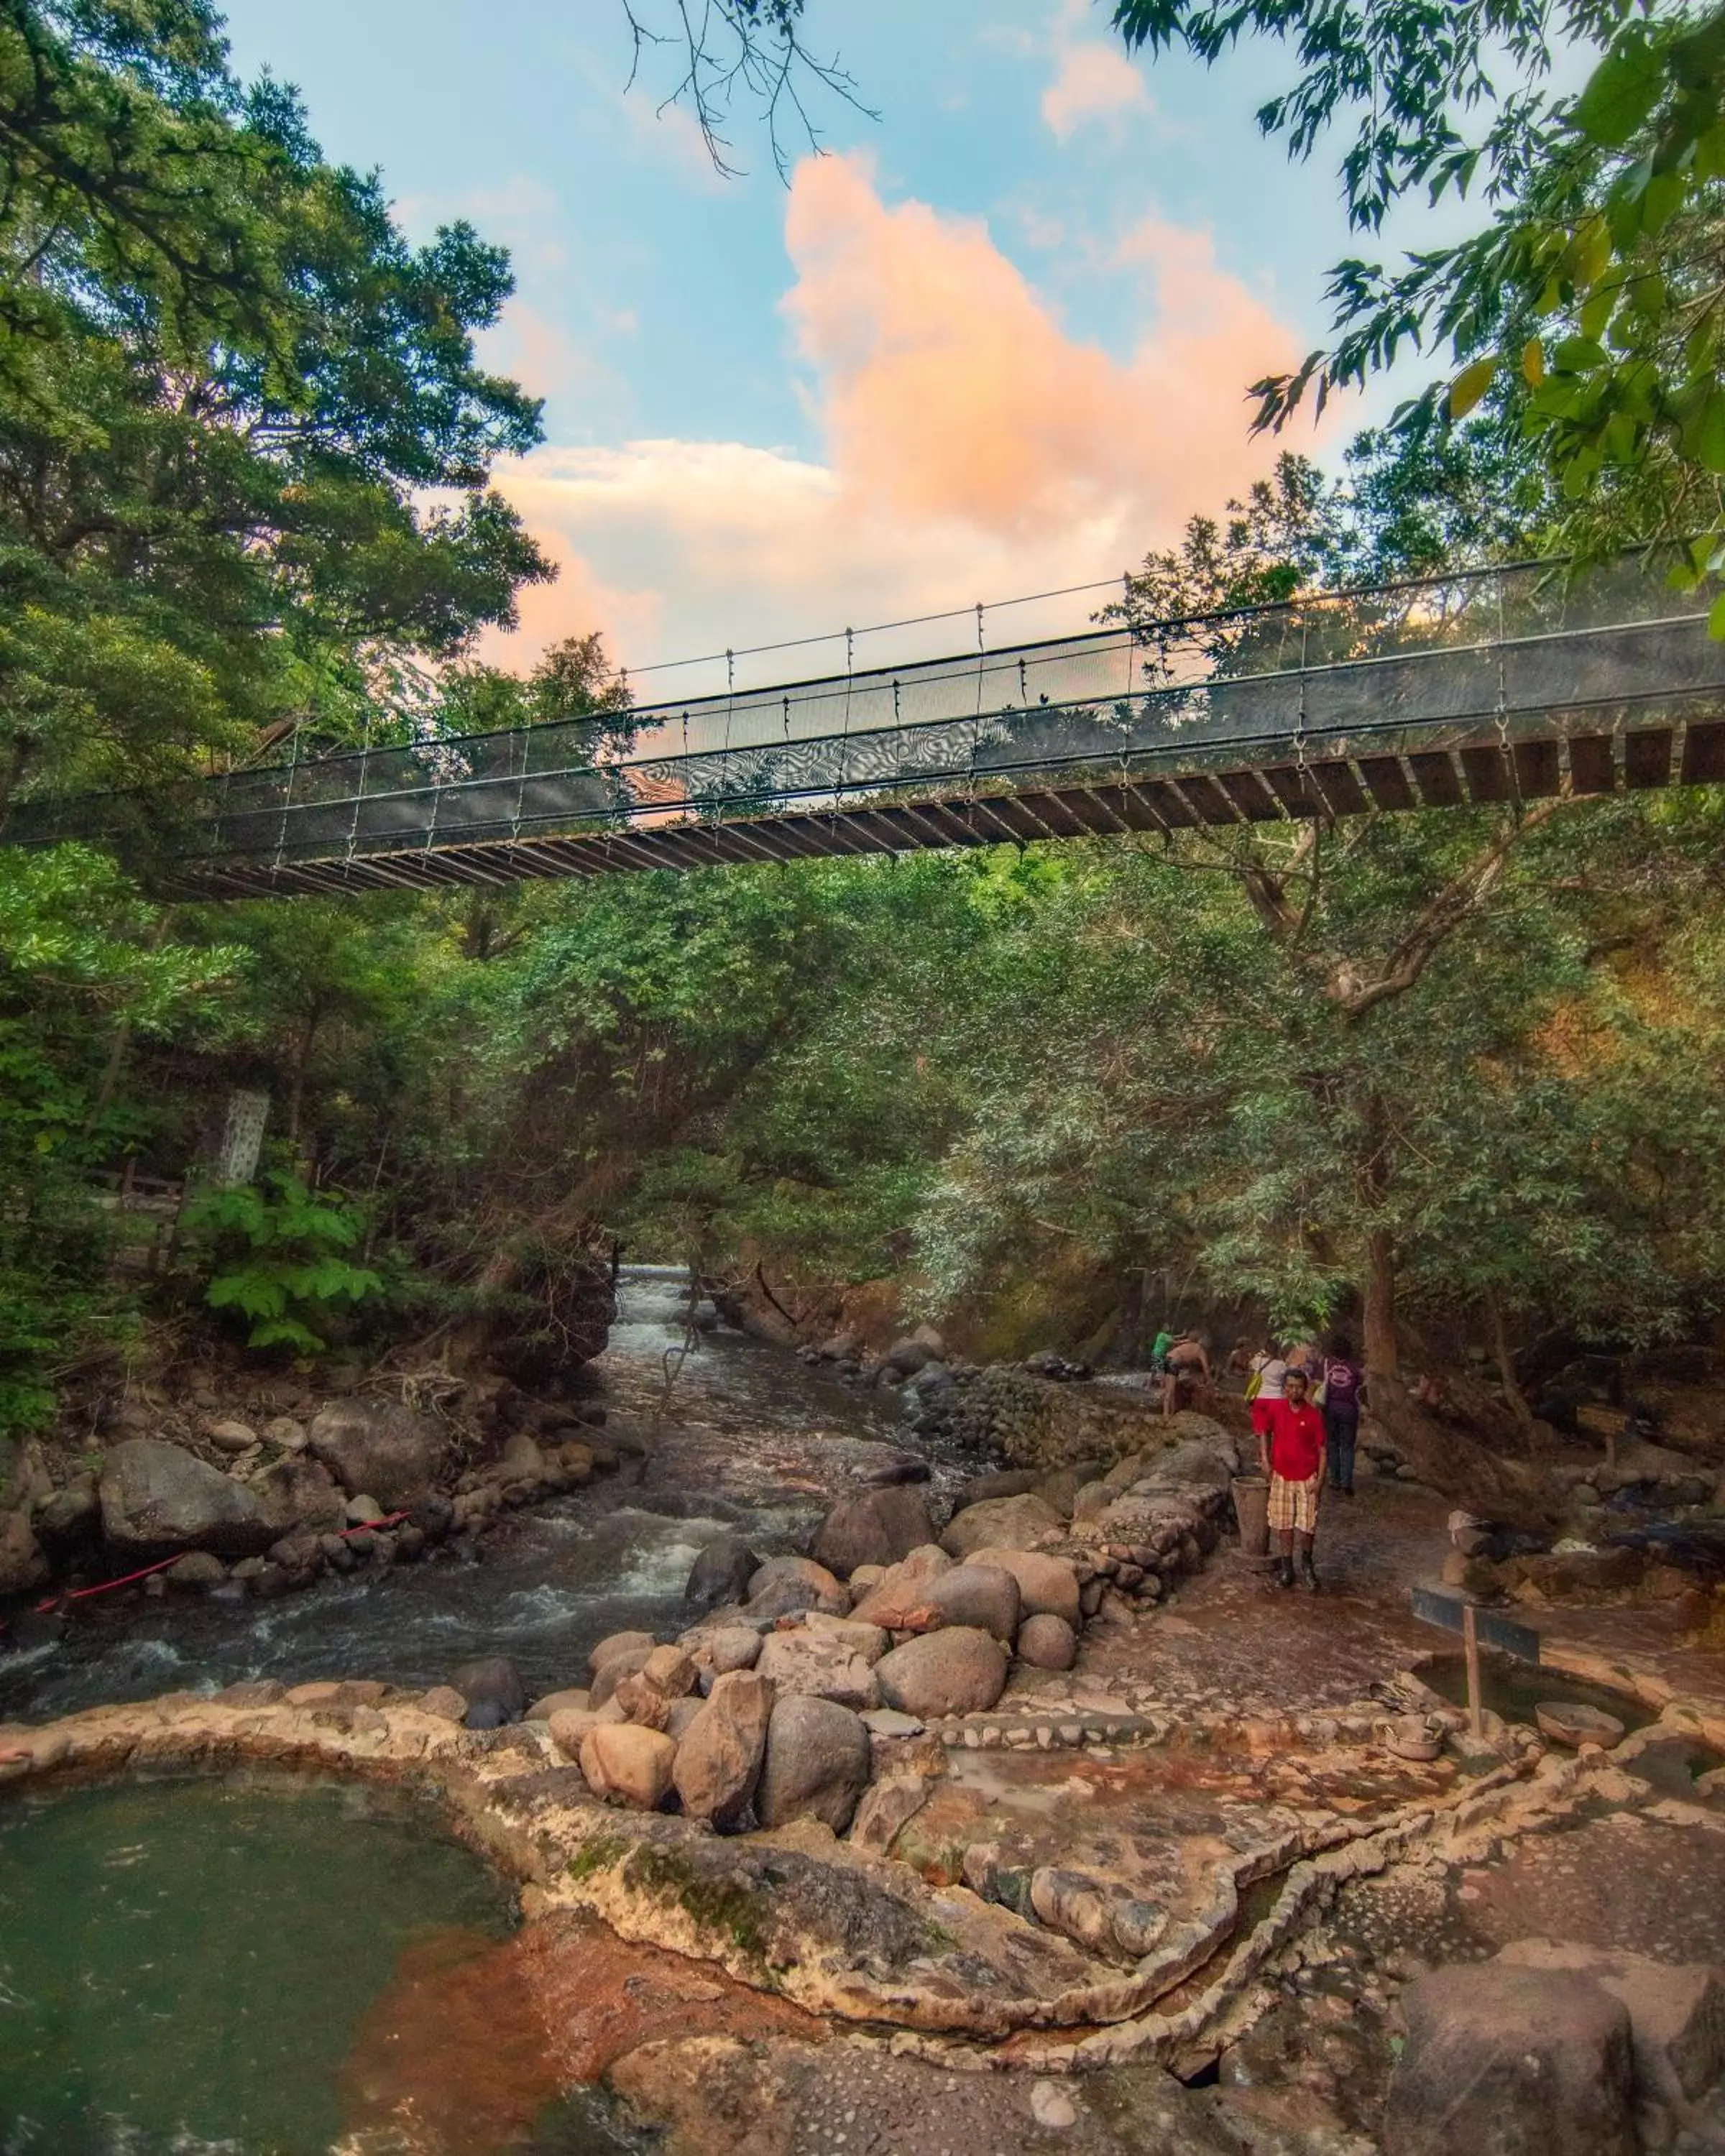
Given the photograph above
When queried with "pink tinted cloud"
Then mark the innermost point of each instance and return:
(949, 387)
(973, 447)
(1095, 82)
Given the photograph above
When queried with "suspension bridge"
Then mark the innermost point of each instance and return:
(1499, 686)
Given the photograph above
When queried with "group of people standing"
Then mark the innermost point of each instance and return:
(1306, 1408)
(1306, 1403)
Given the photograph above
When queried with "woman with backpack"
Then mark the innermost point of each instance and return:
(1344, 1393)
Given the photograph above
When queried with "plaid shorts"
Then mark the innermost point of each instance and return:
(1293, 1505)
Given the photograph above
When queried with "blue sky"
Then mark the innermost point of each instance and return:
(997, 341)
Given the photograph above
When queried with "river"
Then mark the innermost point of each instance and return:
(751, 1440)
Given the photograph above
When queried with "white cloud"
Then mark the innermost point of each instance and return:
(972, 448)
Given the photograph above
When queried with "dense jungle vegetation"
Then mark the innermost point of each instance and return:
(1463, 1070)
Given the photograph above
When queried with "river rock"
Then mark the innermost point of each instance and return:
(817, 1763)
(158, 1498)
(626, 1765)
(1009, 1483)
(619, 1643)
(573, 1699)
(231, 1436)
(647, 1695)
(885, 1806)
(1045, 1642)
(901, 1587)
(728, 1647)
(721, 1573)
(873, 1526)
(443, 1702)
(22, 1564)
(68, 1514)
(298, 1492)
(974, 1595)
(959, 1670)
(520, 1460)
(614, 1671)
(363, 1512)
(719, 1761)
(493, 1690)
(381, 1448)
(1507, 2061)
(1020, 1523)
(286, 1431)
(1677, 2012)
(818, 1667)
(784, 1585)
(197, 1568)
(1047, 1586)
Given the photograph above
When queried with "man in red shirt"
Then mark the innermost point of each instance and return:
(1291, 1452)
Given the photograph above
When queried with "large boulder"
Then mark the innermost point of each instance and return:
(1677, 2012)
(381, 1448)
(902, 1586)
(960, 1671)
(981, 1595)
(23, 1565)
(718, 1763)
(1006, 1482)
(817, 1765)
(298, 1491)
(627, 1765)
(493, 1690)
(158, 1498)
(1048, 1586)
(1507, 2061)
(784, 1585)
(721, 1573)
(873, 1526)
(1022, 1524)
(1047, 1643)
(826, 1665)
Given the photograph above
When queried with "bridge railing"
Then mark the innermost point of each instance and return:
(1385, 669)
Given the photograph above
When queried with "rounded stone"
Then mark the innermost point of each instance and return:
(817, 1765)
(1047, 1643)
(619, 1643)
(959, 1670)
(627, 1765)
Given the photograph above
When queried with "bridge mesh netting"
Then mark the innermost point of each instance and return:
(1380, 671)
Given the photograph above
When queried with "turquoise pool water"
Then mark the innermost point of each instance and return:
(207, 1969)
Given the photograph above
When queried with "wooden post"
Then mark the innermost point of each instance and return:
(1471, 1641)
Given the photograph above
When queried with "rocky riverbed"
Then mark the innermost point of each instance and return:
(1022, 1813)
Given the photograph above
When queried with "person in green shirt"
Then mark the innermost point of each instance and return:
(1159, 1350)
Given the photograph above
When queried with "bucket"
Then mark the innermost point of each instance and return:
(1251, 1510)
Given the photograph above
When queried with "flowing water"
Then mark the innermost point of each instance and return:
(751, 1440)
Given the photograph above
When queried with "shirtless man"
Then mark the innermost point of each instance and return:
(1188, 1364)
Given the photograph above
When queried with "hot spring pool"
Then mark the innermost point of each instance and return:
(242, 1968)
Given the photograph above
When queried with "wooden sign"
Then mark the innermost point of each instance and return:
(1478, 1628)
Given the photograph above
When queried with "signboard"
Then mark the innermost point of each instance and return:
(1432, 1606)
(1479, 1628)
(241, 1137)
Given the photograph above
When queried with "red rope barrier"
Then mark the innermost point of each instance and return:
(131, 1579)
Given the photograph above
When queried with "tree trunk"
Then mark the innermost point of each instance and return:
(1448, 1459)
(1513, 1395)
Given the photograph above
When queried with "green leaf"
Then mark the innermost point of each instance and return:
(1579, 355)
(1470, 385)
(1716, 618)
(1706, 436)
(1621, 93)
